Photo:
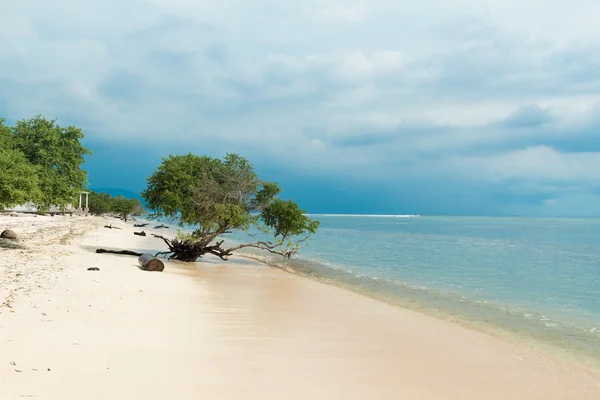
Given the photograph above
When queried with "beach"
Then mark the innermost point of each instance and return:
(232, 330)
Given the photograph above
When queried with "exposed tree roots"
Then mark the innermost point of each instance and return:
(190, 251)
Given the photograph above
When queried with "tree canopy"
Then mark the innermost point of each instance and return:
(58, 153)
(41, 162)
(104, 203)
(5, 135)
(18, 177)
(220, 195)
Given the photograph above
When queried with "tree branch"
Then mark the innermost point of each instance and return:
(267, 246)
(121, 252)
(167, 241)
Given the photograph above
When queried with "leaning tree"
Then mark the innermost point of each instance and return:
(222, 195)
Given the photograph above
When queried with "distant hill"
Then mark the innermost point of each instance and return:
(128, 194)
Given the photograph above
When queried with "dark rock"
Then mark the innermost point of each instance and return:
(8, 234)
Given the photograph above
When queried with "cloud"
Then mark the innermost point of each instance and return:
(492, 99)
(540, 164)
(528, 116)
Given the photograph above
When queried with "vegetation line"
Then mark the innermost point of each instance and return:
(41, 162)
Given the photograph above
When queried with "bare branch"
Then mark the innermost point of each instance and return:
(267, 246)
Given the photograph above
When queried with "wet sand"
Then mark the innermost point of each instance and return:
(235, 330)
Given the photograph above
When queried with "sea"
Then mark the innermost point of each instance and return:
(536, 279)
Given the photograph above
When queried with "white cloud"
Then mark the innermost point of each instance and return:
(410, 88)
(541, 164)
(343, 10)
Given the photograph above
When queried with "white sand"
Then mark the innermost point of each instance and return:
(240, 330)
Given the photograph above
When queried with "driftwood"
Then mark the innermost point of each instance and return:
(111, 227)
(149, 263)
(139, 225)
(122, 252)
(142, 233)
(161, 227)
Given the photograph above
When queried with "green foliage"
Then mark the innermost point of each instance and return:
(287, 219)
(222, 195)
(103, 203)
(124, 207)
(18, 178)
(99, 203)
(6, 139)
(267, 192)
(137, 207)
(203, 190)
(58, 155)
(170, 188)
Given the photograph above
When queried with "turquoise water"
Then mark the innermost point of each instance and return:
(538, 278)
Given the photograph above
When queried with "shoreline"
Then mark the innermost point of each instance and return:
(568, 351)
(198, 326)
(490, 318)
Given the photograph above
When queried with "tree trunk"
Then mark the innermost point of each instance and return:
(121, 252)
(149, 263)
(111, 227)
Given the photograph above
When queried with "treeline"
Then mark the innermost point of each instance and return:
(40, 162)
(103, 203)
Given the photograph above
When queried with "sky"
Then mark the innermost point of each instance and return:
(435, 107)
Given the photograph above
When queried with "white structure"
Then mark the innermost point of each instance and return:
(31, 208)
(27, 207)
(87, 207)
(69, 208)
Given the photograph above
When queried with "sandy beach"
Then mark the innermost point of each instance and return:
(232, 330)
